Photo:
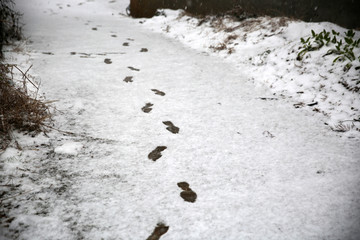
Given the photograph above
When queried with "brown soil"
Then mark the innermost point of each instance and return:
(107, 61)
(159, 230)
(156, 153)
(128, 79)
(147, 108)
(157, 92)
(134, 69)
(188, 194)
(171, 127)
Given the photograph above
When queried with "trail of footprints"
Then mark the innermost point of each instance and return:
(187, 194)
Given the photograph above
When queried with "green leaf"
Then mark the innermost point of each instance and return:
(350, 33)
(348, 40)
(313, 33)
(334, 40)
(335, 33)
(339, 58)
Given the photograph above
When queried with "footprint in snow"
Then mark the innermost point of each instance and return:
(187, 194)
(147, 108)
(114, 35)
(94, 28)
(171, 127)
(134, 69)
(157, 92)
(107, 61)
(126, 44)
(144, 50)
(159, 230)
(156, 153)
(128, 79)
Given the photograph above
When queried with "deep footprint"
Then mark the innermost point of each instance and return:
(128, 79)
(157, 92)
(187, 194)
(134, 69)
(144, 50)
(125, 44)
(147, 108)
(171, 127)
(159, 230)
(156, 153)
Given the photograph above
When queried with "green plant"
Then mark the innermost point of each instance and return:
(343, 46)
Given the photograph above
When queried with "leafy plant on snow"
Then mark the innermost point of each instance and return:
(343, 47)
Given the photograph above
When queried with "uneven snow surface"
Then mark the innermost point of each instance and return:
(260, 168)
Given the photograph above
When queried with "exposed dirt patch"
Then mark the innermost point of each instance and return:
(94, 28)
(126, 44)
(107, 61)
(171, 127)
(187, 194)
(144, 50)
(157, 92)
(134, 69)
(147, 108)
(156, 153)
(128, 79)
(159, 230)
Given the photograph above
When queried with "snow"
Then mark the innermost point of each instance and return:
(69, 148)
(266, 48)
(261, 168)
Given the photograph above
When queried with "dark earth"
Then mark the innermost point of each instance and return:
(188, 194)
(156, 153)
(159, 230)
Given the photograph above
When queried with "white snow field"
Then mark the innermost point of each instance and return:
(261, 169)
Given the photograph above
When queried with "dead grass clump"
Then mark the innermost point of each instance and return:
(18, 110)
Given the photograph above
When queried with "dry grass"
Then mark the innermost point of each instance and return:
(18, 110)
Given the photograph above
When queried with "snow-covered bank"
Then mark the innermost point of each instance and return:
(134, 125)
(266, 49)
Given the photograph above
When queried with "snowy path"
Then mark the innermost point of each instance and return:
(260, 169)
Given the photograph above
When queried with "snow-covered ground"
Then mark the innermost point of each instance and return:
(260, 168)
(266, 49)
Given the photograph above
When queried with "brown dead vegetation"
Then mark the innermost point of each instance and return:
(19, 110)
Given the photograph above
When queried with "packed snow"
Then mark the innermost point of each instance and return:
(157, 132)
